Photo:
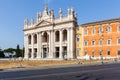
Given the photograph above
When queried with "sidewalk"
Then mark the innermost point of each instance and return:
(52, 66)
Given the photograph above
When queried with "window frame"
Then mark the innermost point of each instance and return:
(109, 28)
(93, 30)
(118, 40)
(78, 37)
(100, 40)
(108, 52)
(108, 41)
(100, 30)
(85, 43)
(77, 52)
(85, 31)
(93, 42)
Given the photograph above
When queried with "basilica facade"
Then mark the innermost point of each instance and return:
(49, 37)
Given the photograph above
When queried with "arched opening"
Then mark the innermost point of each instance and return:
(35, 39)
(64, 35)
(45, 47)
(29, 39)
(57, 36)
(45, 37)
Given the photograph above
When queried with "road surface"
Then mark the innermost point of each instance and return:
(76, 72)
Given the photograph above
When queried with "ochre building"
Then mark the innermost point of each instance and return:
(79, 42)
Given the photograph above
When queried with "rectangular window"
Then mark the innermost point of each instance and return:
(85, 31)
(77, 37)
(100, 30)
(108, 53)
(109, 41)
(101, 42)
(119, 52)
(86, 43)
(78, 52)
(101, 52)
(118, 40)
(93, 43)
(93, 53)
(93, 30)
(109, 29)
(119, 28)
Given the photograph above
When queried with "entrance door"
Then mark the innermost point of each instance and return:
(65, 52)
(44, 52)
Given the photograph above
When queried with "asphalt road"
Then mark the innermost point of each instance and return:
(77, 72)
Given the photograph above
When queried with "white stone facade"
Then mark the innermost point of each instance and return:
(50, 37)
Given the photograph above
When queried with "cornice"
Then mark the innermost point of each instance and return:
(54, 24)
(101, 22)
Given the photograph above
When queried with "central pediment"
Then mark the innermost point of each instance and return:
(44, 23)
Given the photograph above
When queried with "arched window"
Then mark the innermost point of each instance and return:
(57, 36)
(29, 39)
(64, 35)
(35, 39)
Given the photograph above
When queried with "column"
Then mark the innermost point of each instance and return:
(49, 54)
(68, 43)
(72, 43)
(39, 45)
(26, 46)
(52, 45)
(61, 38)
(32, 46)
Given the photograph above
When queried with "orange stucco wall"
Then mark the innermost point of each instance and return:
(113, 35)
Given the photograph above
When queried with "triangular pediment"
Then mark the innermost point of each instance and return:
(44, 23)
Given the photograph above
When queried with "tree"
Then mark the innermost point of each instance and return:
(1, 54)
(9, 50)
(18, 51)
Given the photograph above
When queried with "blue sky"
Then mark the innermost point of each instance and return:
(13, 13)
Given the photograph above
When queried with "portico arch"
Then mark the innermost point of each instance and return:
(65, 35)
(29, 39)
(35, 38)
(45, 37)
(57, 36)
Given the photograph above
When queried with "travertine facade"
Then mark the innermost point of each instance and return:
(50, 37)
